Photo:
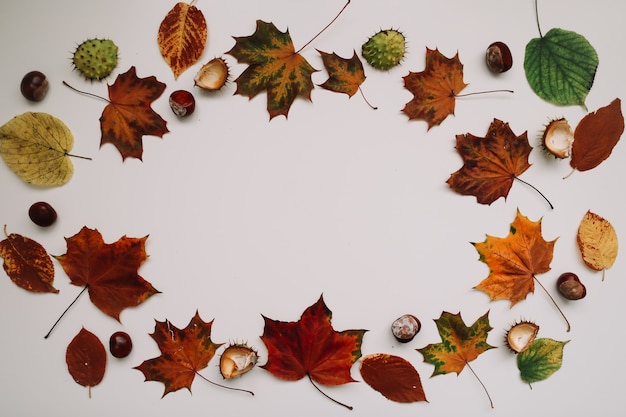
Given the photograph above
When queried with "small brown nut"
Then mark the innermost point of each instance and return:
(499, 58)
(570, 286)
(405, 327)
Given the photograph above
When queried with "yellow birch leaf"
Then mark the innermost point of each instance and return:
(35, 146)
(597, 242)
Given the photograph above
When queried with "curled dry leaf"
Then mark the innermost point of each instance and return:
(27, 263)
(86, 359)
(182, 37)
(394, 377)
(597, 241)
(36, 147)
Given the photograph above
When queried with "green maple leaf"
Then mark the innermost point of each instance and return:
(273, 65)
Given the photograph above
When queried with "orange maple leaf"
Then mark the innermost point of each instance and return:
(183, 353)
(514, 261)
(434, 89)
(490, 163)
(344, 75)
(128, 116)
(274, 66)
(108, 271)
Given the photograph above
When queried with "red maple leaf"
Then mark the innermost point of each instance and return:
(311, 347)
(128, 116)
(108, 271)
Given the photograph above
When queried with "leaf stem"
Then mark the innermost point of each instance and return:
(366, 100)
(65, 311)
(325, 27)
(569, 327)
(534, 188)
(483, 92)
(481, 383)
(223, 386)
(349, 407)
(77, 156)
(85, 92)
(537, 18)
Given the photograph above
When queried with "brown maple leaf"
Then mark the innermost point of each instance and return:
(273, 65)
(311, 347)
(184, 352)
(434, 89)
(86, 359)
(490, 163)
(344, 75)
(128, 116)
(27, 263)
(182, 37)
(108, 271)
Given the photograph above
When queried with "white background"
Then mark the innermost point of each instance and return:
(247, 216)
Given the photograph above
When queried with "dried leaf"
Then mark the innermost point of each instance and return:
(184, 352)
(108, 270)
(597, 242)
(36, 147)
(86, 359)
(182, 37)
(27, 263)
(596, 135)
(515, 260)
(490, 164)
(344, 75)
(434, 89)
(128, 116)
(543, 358)
(392, 376)
(273, 65)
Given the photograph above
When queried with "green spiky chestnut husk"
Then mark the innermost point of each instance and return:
(385, 49)
(95, 58)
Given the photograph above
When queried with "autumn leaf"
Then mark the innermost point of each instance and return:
(27, 263)
(596, 135)
(36, 147)
(434, 89)
(542, 358)
(344, 75)
(108, 271)
(392, 376)
(86, 359)
(561, 66)
(311, 347)
(273, 65)
(128, 116)
(184, 352)
(597, 241)
(182, 37)
(490, 163)
(459, 344)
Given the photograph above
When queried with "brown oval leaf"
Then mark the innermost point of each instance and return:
(392, 376)
(597, 242)
(182, 37)
(86, 359)
(596, 135)
(27, 263)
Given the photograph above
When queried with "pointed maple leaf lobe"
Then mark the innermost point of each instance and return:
(311, 347)
(434, 89)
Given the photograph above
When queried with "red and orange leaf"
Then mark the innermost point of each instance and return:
(184, 352)
(86, 359)
(434, 89)
(596, 135)
(394, 377)
(514, 261)
(27, 263)
(108, 270)
(490, 164)
(459, 344)
(128, 116)
(273, 65)
(182, 37)
(311, 347)
(344, 75)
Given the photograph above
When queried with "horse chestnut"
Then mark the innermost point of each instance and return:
(182, 103)
(499, 58)
(42, 214)
(34, 86)
(570, 286)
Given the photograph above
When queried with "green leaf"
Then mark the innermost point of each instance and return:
(542, 358)
(561, 66)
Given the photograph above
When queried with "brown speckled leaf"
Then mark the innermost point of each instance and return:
(597, 242)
